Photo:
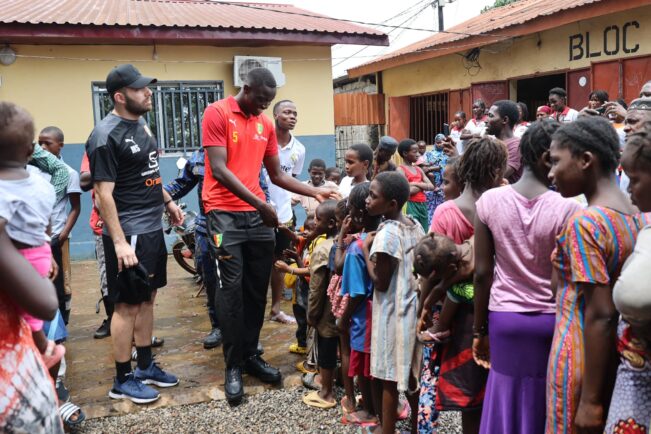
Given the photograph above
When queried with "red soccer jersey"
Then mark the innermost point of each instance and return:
(247, 140)
(95, 220)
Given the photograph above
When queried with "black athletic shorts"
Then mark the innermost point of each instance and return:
(152, 255)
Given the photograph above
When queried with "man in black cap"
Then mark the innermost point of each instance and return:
(123, 157)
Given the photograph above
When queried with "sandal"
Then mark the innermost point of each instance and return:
(354, 419)
(68, 410)
(313, 399)
(309, 381)
(297, 349)
(62, 392)
(430, 338)
(53, 354)
(283, 318)
(305, 368)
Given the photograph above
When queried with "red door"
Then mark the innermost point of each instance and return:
(490, 92)
(399, 117)
(636, 73)
(605, 76)
(579, 86)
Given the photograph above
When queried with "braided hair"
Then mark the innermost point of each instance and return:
(639, 143)
(483, 163)
(536, 140)
(591, 134)
(357, 199)
(432, 253)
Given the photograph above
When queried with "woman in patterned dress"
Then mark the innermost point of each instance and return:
(435, 162)
(28, 402)
(588, 258)
(630, 407)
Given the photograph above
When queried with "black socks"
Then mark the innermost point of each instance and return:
(123, 370)
(144, 357)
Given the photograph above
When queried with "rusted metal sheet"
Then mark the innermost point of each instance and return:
(359, 109)
(177, 14)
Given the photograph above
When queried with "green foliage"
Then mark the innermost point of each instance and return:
(497, 4)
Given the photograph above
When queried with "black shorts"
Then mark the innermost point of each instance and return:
(152, 255)
(283, 242)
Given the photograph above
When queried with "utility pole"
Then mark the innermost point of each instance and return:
(439, 7)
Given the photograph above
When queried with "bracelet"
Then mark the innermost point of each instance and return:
(342, 246)
(167, 202)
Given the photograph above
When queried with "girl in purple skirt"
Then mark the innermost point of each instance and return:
(515, 231)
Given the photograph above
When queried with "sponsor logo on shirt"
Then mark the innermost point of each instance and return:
(153, 159)
(134, 146)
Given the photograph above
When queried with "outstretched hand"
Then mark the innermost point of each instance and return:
(268, 215)
(326, 193)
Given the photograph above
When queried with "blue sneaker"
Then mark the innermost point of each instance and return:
(133, 390)
(155, 375)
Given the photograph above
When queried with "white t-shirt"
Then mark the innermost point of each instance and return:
(61, 211)
(520, 129)
(291, 159)
(631, 292)
(27, 205)
(345, 186)
(476, 127)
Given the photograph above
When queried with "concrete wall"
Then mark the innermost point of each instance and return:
(543, 52)
(54, 84)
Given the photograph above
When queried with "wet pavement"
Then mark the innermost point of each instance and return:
(181, 319)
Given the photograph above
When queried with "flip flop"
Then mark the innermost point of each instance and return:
(304, 368)
(68, 410)
(309, 382)
(353, 419)
(297, 349)
(429, 338)
(313, 399)
(283, 318)
(343, 407)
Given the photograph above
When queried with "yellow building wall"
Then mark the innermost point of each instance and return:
(537, 53)
(54, 82)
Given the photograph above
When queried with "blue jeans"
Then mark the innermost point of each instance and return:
(208, 269)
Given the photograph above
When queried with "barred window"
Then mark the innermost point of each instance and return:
(177, 108)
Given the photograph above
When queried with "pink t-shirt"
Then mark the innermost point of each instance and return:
(448, 220)
(524, 234)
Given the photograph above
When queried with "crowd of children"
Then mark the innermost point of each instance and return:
(510, 301)
(469, 317)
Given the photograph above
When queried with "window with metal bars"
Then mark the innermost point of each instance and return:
(177, 108)
(428, 113)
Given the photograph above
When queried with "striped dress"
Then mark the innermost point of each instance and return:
(393, 330)
(591, 250)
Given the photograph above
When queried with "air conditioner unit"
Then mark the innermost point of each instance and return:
(243, 64)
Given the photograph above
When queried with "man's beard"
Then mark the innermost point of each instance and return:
(134, 108)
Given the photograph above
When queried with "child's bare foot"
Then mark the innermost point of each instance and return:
(348, 407)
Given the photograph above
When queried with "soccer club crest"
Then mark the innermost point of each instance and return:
(217, 238)
(260, 128)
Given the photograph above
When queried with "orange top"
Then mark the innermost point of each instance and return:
(248, 139)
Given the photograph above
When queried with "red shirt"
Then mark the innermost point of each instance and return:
(95, 220)
(247, 140)
(414, 177)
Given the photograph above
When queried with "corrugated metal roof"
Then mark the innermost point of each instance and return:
(487, 26)
(175, 14)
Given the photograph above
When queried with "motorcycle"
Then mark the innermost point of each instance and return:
(183, 247)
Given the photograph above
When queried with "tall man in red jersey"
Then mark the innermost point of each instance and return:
(238, 138)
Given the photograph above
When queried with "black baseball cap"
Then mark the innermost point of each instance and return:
(126, 76)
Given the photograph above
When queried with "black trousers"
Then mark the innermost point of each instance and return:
(64, 299)
(244, 250)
